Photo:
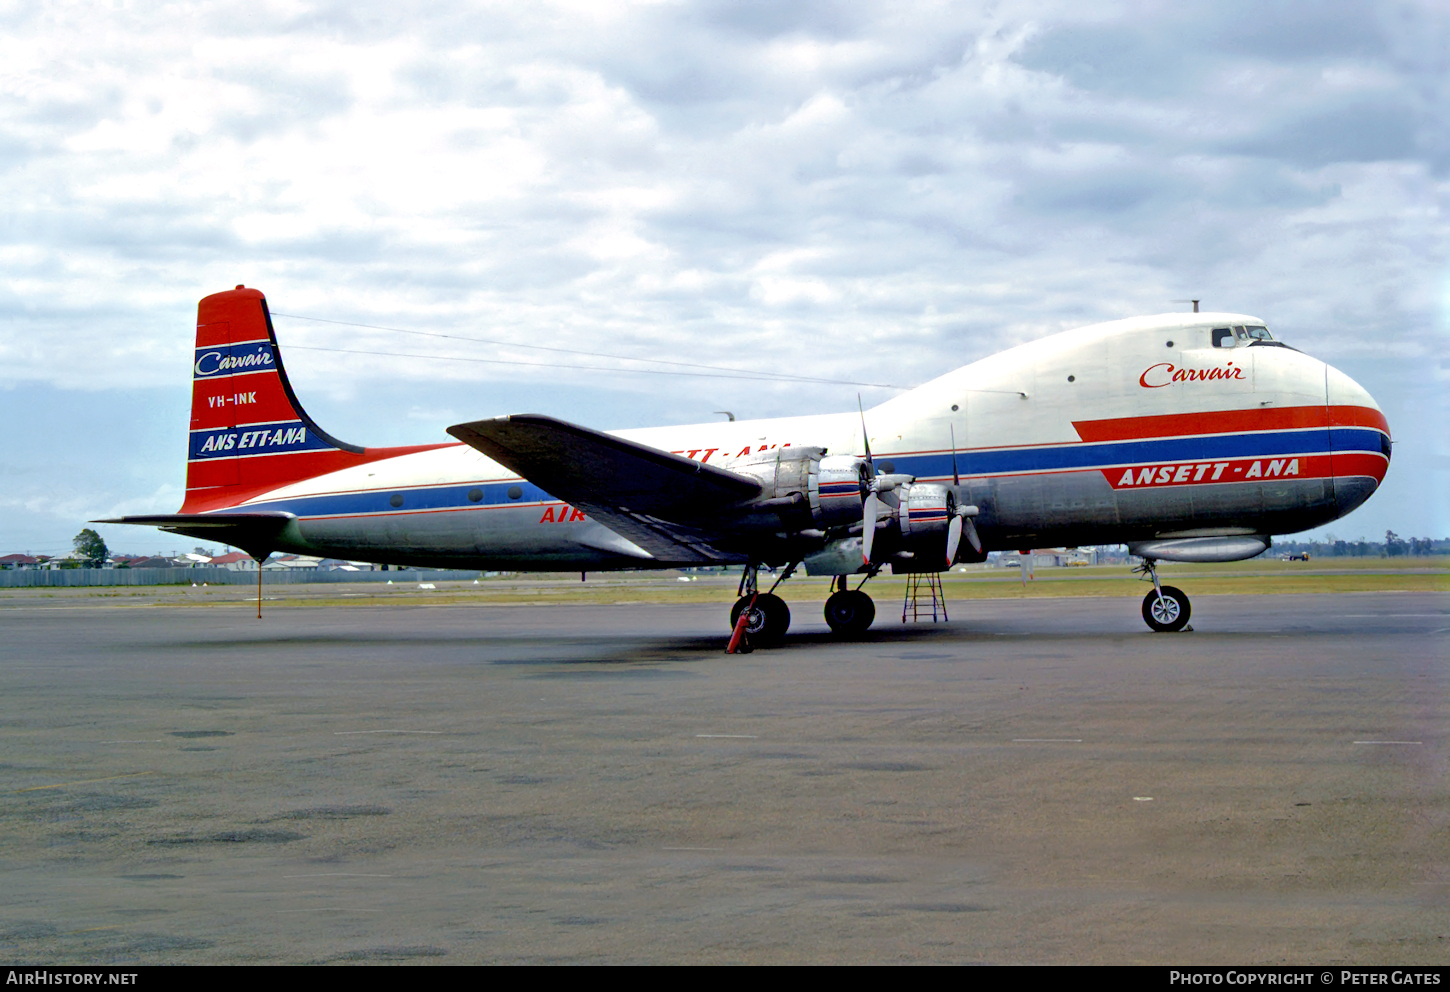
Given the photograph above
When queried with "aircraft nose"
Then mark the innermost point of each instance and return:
(1359, 440)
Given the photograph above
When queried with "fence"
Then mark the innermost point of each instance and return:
(26, 577)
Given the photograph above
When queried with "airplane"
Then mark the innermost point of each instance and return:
(1188, 437)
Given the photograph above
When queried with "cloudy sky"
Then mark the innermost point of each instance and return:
(855, 192)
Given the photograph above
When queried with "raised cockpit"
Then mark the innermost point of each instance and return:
(1240, 336)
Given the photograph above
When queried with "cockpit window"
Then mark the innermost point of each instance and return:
(1223, 337)
(1258, 333)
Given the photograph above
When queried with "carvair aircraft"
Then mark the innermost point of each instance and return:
(1187, 437)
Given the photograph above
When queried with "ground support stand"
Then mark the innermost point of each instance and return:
(912, 604)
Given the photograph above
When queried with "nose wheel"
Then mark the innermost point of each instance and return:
(1166, 609)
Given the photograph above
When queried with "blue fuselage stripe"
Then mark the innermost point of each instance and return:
(1006, 461)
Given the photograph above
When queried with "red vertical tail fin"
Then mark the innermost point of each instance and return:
(248, 432)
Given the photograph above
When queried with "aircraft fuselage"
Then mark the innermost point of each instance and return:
(1154, 427)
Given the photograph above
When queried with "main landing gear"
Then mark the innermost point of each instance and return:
(760, 619)
(768, 618)
(1166, 608)
(849, 611)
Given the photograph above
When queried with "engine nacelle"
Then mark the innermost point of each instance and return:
(841, 490)
(926, 510)
(783, 471)
(824, 491)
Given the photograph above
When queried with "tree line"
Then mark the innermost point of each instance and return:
(1393, 546)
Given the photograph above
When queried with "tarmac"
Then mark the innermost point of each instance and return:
(1037, 781)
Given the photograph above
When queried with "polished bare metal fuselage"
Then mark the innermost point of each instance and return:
(1121, 432)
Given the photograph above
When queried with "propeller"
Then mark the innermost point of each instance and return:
(878, 484)
(961, 520)
(865, 438)
(961, 523)
(871, 505)
(871, 509)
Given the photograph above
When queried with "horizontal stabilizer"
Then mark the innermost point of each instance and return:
(255, 533)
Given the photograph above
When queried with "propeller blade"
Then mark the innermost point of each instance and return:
(868, 525)
(864, 438)
(972, 538)
(954, 538)
(956, 478)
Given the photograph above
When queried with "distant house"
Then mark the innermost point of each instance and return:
(157, 562)
(292, 562)
(19, 561)
(1043, 558)
(237, 561)
(1059, 557)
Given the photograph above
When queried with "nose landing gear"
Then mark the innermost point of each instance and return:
(1166, 609)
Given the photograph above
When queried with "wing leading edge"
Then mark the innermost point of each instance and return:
(667, 504)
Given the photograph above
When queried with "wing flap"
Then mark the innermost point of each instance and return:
(667, 543)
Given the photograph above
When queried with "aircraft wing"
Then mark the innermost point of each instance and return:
(667, 504)
(252, 532)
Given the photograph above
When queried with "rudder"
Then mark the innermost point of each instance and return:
(249, 434)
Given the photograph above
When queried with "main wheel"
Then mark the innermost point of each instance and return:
(768, 621)
(850, 612)
(1169, 613)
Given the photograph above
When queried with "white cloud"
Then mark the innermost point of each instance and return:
(804, 186)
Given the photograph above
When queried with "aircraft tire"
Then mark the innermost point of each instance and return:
(768, 621)
(850, 612)
(1171, 614)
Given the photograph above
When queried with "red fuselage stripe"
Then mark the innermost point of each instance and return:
(1230, 422)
